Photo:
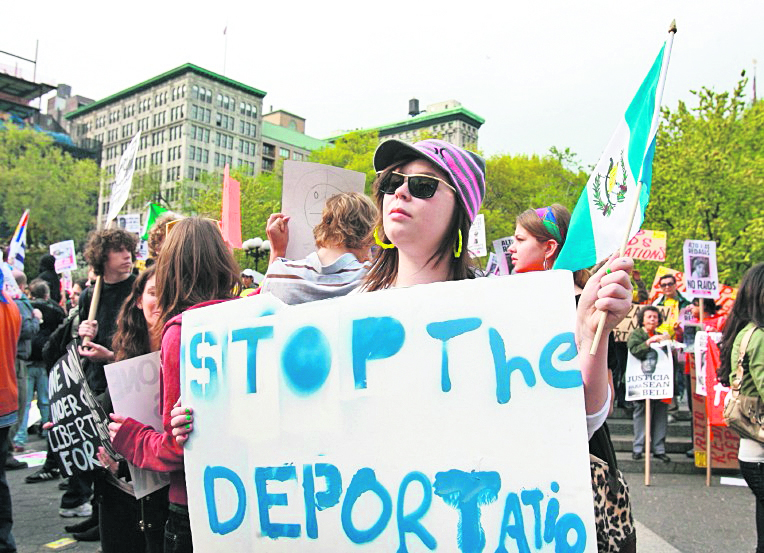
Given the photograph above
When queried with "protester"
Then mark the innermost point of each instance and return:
(10, 328)
(640, 294)
(124, 523)
(37, 369)
(639, 342)
(747, 317)
(671, 297)
(30, 325)
(247, 283)
(195, 269)
(343, 242)
(157, 234)
(50, 276)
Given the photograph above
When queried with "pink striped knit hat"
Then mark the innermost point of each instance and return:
(466, 170)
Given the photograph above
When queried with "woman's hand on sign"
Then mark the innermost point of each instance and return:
(182, 422)
(88, 329)
(107, 461)
(609, 290)
(115, 425)
(96, 352)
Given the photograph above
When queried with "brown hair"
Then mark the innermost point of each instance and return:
(158, 232)
(347, 221)
(641, 315)
(532, 223)
(194, 266)
(384, 269)
(102, 242)
(133, 335)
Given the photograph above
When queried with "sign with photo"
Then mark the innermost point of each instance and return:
(651, 377)
(501, 247)
(476, 243)
(701, 359)
(701, 278)
(66, 259)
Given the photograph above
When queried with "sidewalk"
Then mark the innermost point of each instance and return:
(677, 513)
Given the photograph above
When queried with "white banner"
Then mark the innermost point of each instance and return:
(651, 378)
(476, 243)
(135, 393)
(701, 347)
(123, 179)
(391, 419)
(701, 277)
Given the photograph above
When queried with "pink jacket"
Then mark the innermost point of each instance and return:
(143, 446)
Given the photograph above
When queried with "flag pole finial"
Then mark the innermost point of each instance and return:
(672, 27)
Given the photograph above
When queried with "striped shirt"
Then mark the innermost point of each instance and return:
(307, 280)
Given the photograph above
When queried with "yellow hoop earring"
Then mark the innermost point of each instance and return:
(380, 243)
(458, 249)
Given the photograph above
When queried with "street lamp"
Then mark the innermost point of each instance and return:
(257, 248)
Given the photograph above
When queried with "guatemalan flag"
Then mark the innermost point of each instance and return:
(17, 249)
(599, 221)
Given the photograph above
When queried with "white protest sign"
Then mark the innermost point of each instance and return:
(476, 243)
(701, 347)
(135, 393)
(501, 247)
(701, 277)
(652, 377)
(392, 419)
(130, 222)
(65, 256)
(306, 188)
(123, 179)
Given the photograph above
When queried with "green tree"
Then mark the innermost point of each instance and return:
(59, 190)
(708, 180)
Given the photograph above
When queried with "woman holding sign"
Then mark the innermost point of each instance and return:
(194, 269)
(639, 344)
(746, 322)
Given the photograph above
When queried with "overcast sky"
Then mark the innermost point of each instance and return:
(540, 73)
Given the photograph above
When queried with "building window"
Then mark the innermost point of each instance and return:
(296, 156)
(283, 152)
(269, 150)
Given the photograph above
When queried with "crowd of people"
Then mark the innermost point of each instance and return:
(412, 232)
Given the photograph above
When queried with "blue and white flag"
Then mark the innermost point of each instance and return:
(18, 247)
(599, 221)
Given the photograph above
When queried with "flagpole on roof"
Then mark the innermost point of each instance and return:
(635, 203)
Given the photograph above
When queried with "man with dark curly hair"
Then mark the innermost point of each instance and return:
(111, 254)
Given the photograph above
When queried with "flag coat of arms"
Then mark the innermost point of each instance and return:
(598, 223)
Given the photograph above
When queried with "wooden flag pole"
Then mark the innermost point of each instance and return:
(648, 438)
(635, 203)
(94, 304)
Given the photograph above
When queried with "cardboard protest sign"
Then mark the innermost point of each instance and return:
(501, 247)
(123, 179)
(652, 377)
(476, 242)
(701, 278)
(135, 393)
(80, 424)
(700, 349)
(306, 188)
(649, 245)
(65, 256)
(390, 419)
(629, 323)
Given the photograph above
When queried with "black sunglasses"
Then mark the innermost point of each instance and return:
(420, 186)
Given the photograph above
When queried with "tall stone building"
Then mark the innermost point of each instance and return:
(191, 120)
